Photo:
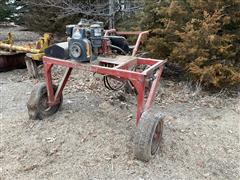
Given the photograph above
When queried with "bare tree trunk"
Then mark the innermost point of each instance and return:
(112, 14)
(106, 9)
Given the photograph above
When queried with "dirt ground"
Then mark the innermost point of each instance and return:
(91, 137)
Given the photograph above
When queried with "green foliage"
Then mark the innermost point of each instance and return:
(202, 36)
(6, 11)
(10, 11)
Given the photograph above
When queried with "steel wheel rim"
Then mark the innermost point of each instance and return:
(156, 139)
(115, 84)
(44, 103)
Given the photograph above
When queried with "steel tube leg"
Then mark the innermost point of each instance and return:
(140, 87)
(31, 67)
(48, 80)
(63, 83)
(153, 90)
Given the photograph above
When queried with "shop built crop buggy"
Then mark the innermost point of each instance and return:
(46, 98)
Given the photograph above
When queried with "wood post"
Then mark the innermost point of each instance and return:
(31, 67)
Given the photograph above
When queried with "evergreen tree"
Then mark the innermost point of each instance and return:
(202, 36)
(6, 10)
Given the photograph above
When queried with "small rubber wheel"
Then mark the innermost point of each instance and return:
(113, 84)
(129, 87)
(148, 136)
(37, 105)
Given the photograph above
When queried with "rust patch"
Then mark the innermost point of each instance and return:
(10, 61)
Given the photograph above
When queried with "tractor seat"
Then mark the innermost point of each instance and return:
(131, 47)
(120, 42)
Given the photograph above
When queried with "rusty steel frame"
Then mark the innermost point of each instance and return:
(138, 79)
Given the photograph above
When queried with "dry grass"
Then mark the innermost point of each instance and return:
(172, 92)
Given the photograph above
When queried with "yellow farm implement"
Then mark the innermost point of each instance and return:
(11, 53)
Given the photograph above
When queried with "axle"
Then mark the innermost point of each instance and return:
(18, 48)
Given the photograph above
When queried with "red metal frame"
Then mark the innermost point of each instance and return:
(138, 79)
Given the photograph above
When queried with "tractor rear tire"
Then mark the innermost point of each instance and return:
(37, 105)
(148, 136)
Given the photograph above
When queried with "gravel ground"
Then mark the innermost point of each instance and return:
(91, 136)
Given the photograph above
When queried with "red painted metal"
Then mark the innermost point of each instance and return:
(121, 71)
(63, 83)
(106, 51)
(141, 34)
(128, 32)
(152, 68)
(127, 64)
(140, 87)
(48, 80)
(154, 88)
(138, 79)
(109, 31)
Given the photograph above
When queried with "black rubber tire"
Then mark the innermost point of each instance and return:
(148, 136)
(129, 88)
(37, 103)
(109, 83)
